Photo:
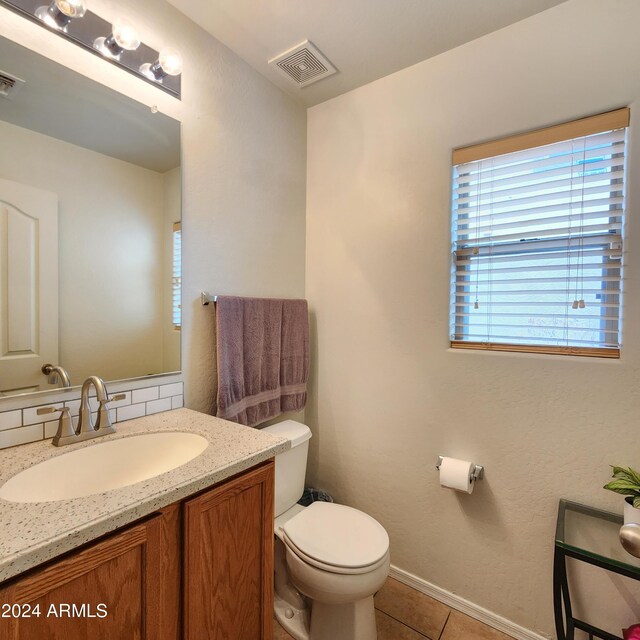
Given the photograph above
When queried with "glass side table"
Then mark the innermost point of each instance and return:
(589, 535)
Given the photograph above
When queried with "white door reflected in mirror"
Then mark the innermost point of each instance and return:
(28, 285)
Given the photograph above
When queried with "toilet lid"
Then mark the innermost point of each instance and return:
(338, 536)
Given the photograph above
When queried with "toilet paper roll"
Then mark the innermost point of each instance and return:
(457, 474)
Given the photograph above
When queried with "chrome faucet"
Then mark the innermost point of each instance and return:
(55, 374)
(85, 424)
(86, 430)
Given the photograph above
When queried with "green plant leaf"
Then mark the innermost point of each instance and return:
(625, 487)
(634, 475)
(636, 502)
(620, 472)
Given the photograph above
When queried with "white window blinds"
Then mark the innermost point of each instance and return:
(537, 244)
(176, 276)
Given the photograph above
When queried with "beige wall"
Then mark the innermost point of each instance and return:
(243, 168)
(110, 219)
(388, 395)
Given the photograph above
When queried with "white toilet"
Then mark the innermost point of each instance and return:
(329, 559)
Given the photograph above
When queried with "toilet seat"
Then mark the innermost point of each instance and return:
(333, 568)
(337, 538)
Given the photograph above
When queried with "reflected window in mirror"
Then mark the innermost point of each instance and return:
(176, 280)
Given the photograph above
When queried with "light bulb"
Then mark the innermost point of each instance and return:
(169, 63)
(123, 36)
(59, 13)
(72, 8)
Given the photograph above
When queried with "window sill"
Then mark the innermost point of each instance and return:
(549, 350)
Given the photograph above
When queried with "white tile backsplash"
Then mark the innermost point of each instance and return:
(131, 411)
(20, 426)
(168, 390)
(144, 395)
(21, 435)
(10, 419)
(156, 406)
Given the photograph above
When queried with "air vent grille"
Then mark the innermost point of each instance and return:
(9, 85)
(303, 64)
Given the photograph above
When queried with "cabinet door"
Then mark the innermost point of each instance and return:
(125, 572)
(228, 560)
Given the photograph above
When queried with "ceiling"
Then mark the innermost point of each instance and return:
(364, 39)
(63, 104)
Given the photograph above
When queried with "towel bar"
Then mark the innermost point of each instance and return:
(207, 299)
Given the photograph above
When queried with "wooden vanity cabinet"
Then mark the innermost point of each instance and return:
(228, 560)
(201, 569)
(117, 585)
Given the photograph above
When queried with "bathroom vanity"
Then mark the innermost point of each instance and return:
(188, 554)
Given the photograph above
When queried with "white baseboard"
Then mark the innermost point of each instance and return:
(460, 604)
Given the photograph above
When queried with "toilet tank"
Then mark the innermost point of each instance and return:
(291, 466)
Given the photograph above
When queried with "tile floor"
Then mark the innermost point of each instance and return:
(402, 613)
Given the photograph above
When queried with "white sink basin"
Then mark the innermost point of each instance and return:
(103, 466)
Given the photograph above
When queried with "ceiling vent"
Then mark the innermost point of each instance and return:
(9, 85)
(303, 64)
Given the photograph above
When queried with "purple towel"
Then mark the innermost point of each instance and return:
(263, 357)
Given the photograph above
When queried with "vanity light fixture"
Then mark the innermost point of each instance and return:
(59, 13)
(123, 37)
(169, 63)
(116, 41)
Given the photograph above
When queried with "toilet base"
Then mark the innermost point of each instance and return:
(352, 621)
(294, 621)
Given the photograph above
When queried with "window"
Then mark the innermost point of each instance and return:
(537, 240)
(176, 276)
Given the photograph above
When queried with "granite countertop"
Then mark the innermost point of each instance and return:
(32, 533)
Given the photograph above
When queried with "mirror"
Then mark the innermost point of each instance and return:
(90, 197)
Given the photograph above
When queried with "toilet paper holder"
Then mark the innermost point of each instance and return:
(476, 474)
